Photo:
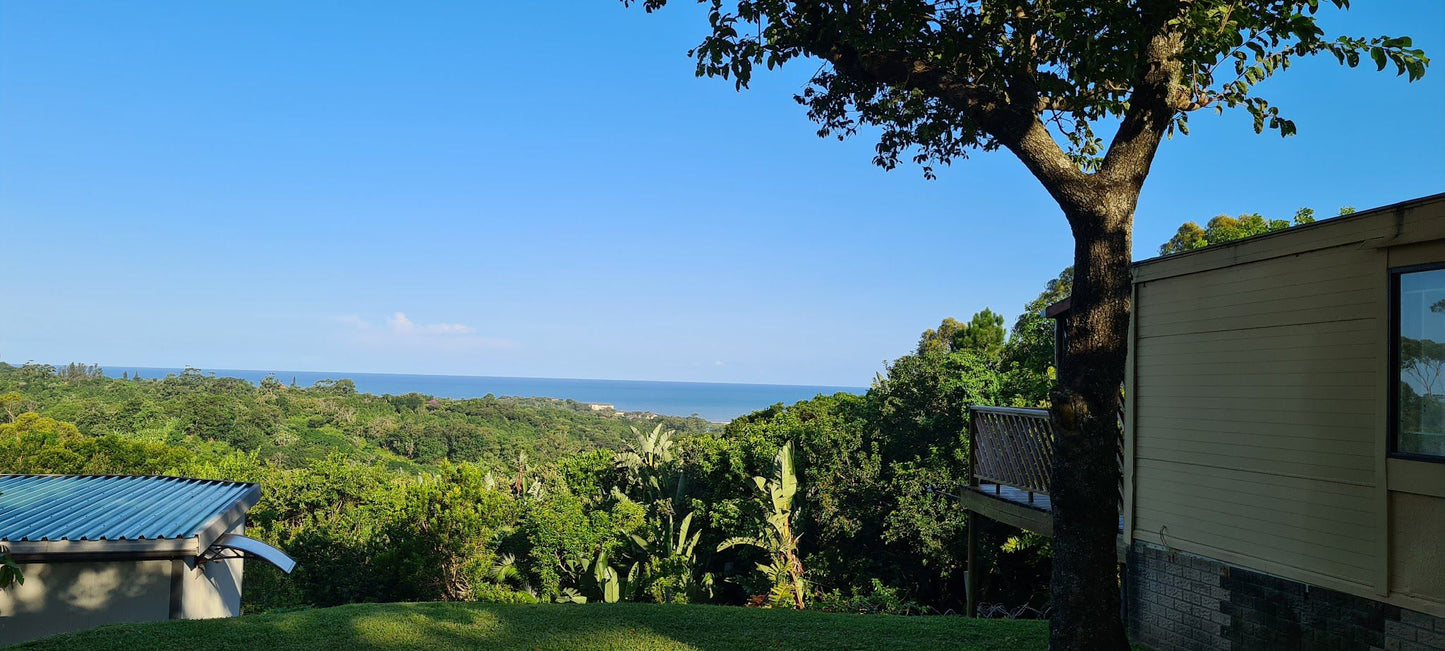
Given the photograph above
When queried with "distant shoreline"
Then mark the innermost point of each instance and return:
(338, 375)
(717, 402)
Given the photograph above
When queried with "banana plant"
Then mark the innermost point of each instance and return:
(608, 580)
(669, 544)
(505, 572)
(778, 539)
(668, 568)
(571, 596)
(646, 459)
(650, 451)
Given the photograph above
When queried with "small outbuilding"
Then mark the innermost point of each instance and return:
(100, 550)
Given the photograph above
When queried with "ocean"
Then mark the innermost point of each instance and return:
(714, 401)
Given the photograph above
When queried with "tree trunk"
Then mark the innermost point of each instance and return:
(1085, 411)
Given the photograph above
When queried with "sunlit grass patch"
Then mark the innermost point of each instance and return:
(548, 626)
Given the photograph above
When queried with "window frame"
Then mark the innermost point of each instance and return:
(1393, 372)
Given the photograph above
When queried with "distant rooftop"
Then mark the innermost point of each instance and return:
(36, 508)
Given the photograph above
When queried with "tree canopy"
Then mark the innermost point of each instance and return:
(937, 79)
(1224, 228)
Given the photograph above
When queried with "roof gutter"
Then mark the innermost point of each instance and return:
(90, 550)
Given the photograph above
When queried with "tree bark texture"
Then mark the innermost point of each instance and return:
(1085, 409)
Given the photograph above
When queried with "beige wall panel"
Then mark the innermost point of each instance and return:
(1257, 379)
(1417, 545)
(213, 589)
(1255, 406)
(1295, 457)
(1332, 273)
(210, 590)
(1347, 501)
(1206, 414)
(60, 597)
(1242, 536)
(1187, 303)
(1242, 426)
(1324, 286)
(1264, 316)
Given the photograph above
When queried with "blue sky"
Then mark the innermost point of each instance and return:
(544, 189)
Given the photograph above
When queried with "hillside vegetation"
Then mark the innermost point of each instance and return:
(295, 426)
(605, 626)
(840, 503)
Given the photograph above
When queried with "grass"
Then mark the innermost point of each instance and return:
(545, 626)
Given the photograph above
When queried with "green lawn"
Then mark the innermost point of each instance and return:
(591, 626)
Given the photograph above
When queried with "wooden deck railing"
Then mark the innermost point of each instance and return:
(1015, 447)
(1011, 447)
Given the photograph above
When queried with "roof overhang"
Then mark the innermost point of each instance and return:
(1059, 309)
(213, 529)
(90, 550)
(227, 519)
(1407, 222)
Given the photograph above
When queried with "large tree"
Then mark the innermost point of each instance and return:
(1045, 80)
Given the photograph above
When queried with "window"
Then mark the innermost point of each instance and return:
(1419, 342)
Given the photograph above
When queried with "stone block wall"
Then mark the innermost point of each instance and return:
(1175, 600)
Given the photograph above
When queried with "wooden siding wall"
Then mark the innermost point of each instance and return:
(1257, 416)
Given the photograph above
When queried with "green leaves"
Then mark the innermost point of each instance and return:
(935, 81)
(1409, 61)
(10, 572)
(608, 581)
(1224, 228)
(570, 596)
(778, 539)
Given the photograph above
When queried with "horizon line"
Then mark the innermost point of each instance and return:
(341, 375)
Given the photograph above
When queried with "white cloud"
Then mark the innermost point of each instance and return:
(400, 324)
(449, 329)
(354, 321)
(401, 331)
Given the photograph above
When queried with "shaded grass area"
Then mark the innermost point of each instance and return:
(546, 626)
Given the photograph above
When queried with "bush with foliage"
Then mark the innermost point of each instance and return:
(843, 500)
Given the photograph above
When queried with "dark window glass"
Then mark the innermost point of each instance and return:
(1420, 357)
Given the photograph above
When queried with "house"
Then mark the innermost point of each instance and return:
(1283, 461)
(108, 549)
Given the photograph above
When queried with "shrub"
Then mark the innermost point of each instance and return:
(881, 599)
(497, 594)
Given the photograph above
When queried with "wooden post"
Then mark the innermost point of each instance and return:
(970, 581)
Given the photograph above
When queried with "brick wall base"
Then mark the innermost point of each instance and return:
(1180, 601)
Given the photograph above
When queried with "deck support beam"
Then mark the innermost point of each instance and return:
(1008, 512)
(970, 585)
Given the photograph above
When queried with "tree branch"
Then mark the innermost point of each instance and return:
(1152, 105)
(1017, 128)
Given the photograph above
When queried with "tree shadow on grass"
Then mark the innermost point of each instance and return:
(442, 626)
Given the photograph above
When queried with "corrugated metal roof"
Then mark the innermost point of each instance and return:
(111, 507)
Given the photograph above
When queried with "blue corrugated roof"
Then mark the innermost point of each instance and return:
(111, 507)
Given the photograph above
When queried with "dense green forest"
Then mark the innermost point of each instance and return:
(392, 498)
(291, 426)
(842, 502)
